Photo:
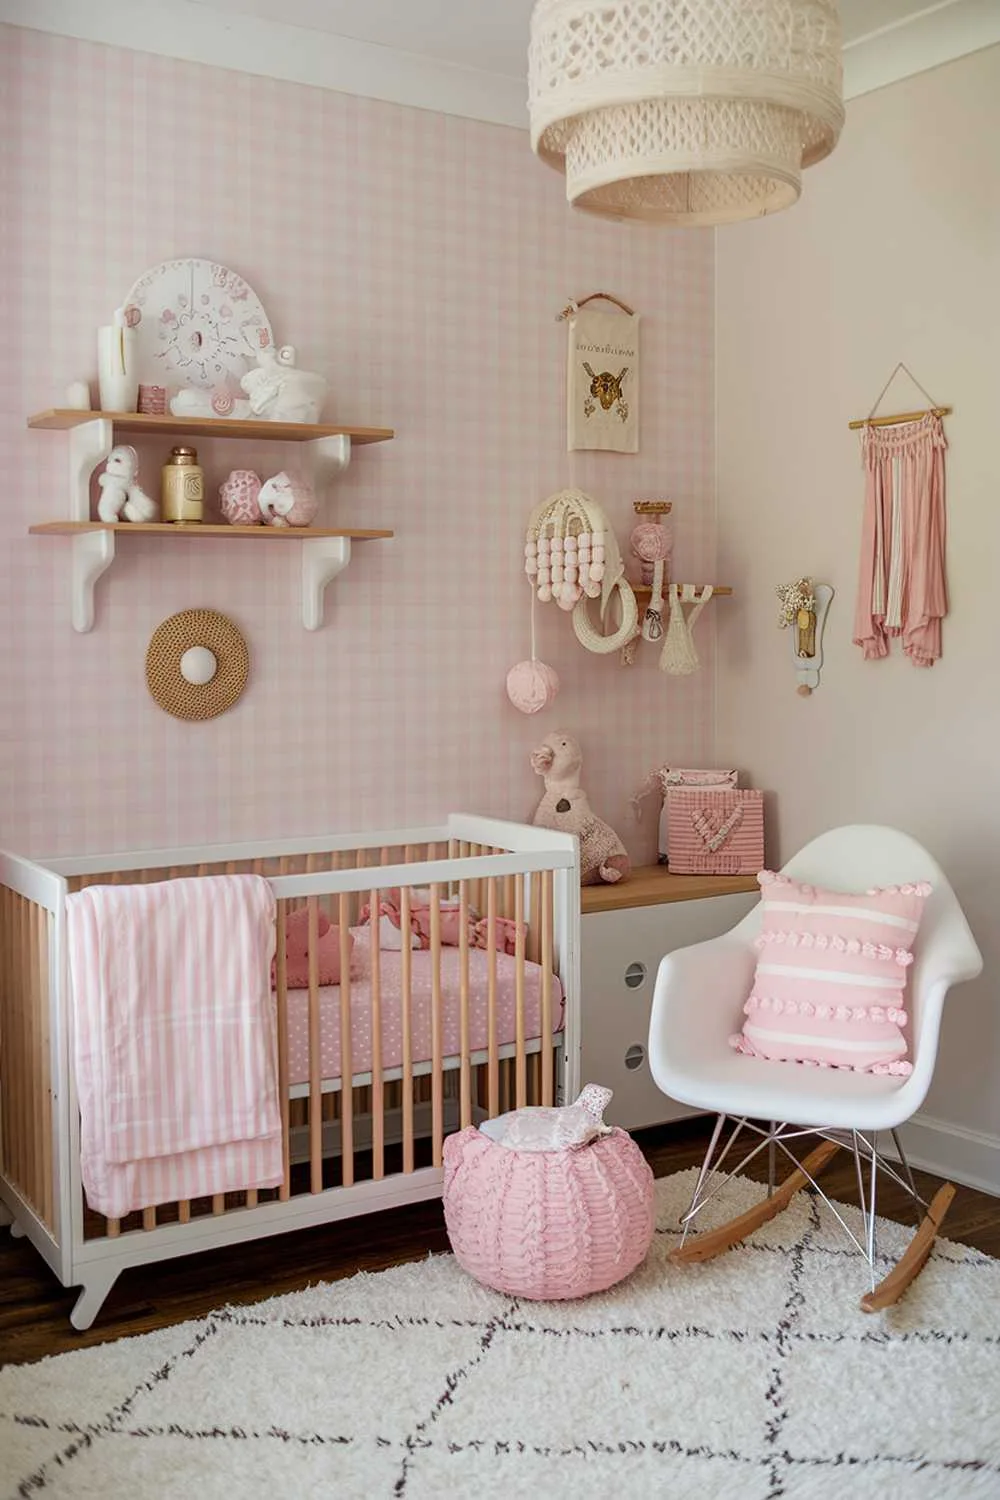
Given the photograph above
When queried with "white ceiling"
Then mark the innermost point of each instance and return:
(491, 35)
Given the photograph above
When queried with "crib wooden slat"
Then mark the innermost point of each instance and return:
(29, 1079)
(281, 978)
(218, 1203)
(315, 1059)
(346, 1070)
(45, 1042)
(465, 1077)
(493, 1063)
(378, 1085)
(184, 1211)
(406, 1001)
(113, 1228)
(149, 1218)
(547, 958)
(437, 1094)
(520, 1089)
(532, 944)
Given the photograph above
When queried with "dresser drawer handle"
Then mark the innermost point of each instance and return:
(635, 1057)
(635, 975)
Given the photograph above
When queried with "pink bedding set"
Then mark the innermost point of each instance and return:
(830, 985)
(174, 1039)
(390, 976)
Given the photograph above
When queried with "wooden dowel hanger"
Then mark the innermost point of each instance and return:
(904, 416)
(575, 305)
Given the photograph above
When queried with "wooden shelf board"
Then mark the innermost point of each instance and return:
(162, 528)
(643, 590)
(58, 419)
(649, 885)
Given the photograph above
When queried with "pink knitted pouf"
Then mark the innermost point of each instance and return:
(547, 1224)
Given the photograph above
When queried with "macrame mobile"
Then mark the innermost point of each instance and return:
(571, 555)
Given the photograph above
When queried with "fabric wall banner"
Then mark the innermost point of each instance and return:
(602, 382)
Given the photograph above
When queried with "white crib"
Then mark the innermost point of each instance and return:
(363, 1140)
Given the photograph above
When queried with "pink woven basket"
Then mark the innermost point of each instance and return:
(715, 833)
(547, 1225)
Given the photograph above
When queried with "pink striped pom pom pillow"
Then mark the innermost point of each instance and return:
(830, 984)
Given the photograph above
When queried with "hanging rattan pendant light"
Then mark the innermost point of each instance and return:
(684, 111)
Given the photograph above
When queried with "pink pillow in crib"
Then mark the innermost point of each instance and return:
(297, 950)
(831, 977)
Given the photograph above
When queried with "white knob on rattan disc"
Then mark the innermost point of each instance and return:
(198, 665)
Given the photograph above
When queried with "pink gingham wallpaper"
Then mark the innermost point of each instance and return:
(418, 260)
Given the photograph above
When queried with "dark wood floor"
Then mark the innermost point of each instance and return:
(34, 1308)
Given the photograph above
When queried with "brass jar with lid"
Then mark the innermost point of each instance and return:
(183, 487)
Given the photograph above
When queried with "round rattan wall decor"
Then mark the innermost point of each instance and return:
(197, 664)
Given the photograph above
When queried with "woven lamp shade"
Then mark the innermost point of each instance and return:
(684, 111)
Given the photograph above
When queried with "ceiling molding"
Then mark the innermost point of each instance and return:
(937, 35)
(272, 49)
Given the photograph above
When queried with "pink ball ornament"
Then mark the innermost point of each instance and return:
(531, 686)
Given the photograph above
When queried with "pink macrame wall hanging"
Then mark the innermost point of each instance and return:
(902, 589)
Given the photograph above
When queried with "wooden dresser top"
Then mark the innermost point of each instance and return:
(649, 885)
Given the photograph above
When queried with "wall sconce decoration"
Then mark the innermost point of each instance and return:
(197, 664)
(804, 606)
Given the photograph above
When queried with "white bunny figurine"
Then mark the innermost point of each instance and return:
(121, 493)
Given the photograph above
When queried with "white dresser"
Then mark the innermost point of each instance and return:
(624, 932)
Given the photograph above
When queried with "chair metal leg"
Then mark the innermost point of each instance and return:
(871, 1208)
(915, 1197)
(703, 1173)
(771, 1159)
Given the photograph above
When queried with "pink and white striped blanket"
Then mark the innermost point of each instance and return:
(175, 1039)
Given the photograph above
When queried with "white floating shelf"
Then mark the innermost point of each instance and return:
(325, 451)
(325, 554)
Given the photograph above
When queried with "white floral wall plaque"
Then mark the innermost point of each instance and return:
(197, 324)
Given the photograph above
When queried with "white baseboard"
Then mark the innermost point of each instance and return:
(968, 1156)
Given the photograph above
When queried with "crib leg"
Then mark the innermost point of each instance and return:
(91, 1299)
(17, 1230)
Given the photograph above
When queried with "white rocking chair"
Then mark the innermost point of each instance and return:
(697, 1006)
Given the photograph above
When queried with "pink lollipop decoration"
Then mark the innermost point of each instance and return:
(223, 403)
(651, 543)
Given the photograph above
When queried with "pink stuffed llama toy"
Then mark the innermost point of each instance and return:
(297, 950)
(565, 807)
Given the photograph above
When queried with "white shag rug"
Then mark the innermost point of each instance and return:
(752, 1376)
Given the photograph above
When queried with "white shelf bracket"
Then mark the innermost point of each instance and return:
(324, 458)
(89, 445)
(93, 554)
(322, 560)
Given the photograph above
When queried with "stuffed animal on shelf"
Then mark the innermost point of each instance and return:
(565, 807)
(286, 500)
(121, 493)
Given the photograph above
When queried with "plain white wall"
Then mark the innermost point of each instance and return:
(893, 253)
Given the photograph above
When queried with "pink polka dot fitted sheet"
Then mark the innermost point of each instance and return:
(420, 1009)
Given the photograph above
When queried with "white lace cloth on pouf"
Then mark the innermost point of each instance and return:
(559, 1128)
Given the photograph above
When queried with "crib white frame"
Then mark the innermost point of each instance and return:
(94, 1264)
